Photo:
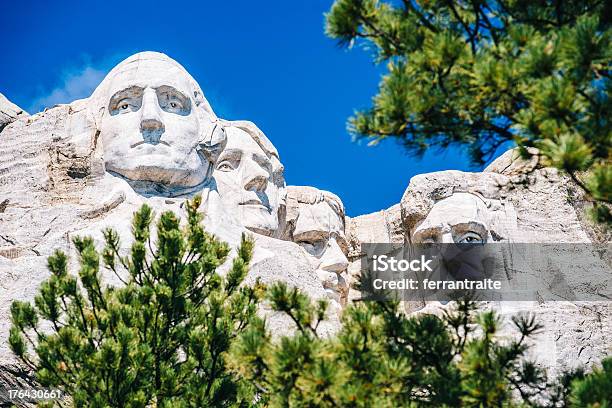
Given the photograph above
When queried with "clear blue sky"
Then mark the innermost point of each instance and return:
(264, 61)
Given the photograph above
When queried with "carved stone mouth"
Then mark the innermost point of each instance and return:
(143, 142)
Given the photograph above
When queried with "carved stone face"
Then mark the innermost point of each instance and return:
(150, 128)
(320, 231)
(248, 182)
(460, 218)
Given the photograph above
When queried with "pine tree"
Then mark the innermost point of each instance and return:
(158, 340)
(383, 358)
(177, 334)
(595, 389)
(483, 74)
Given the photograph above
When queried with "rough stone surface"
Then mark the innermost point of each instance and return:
(9, 112)
(517, 201)
(148, 135)
(315, 220)
(510, 163)
(383, 226)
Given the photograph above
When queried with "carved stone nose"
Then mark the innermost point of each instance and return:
(152, 130)
(334, 259)
(447, 238)
(256, 176)
(151, 125)
(257, 183)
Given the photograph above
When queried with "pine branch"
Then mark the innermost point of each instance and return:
(472, 36)
(409, 6)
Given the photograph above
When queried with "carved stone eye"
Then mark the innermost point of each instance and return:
(307, 245)
(314, 247)
(471, 238)
(225, 166)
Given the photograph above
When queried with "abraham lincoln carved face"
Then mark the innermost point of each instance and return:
(461, 218)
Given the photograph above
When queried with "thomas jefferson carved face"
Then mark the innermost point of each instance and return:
(249, 181)
(460, 218)
(152, 124)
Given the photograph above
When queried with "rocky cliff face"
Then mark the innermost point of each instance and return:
(9, 112)
(73, 171)
(148, 135)
(53, 187)
(525, 203)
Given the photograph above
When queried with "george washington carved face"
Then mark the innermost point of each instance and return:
(153, 118)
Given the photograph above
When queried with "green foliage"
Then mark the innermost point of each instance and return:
(481, 74)
(158, 340)
(177, 334)
(595, 389)
(383, 358)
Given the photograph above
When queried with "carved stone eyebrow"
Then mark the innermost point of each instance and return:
(230, 154)
(471, 225)
(312, 234)
(428, 229)
(341, 240)
(168, 93)
(131, 92)
(163, 89)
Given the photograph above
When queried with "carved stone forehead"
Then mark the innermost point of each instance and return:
(309, 208)
(251, 129)
(425, 190)
(459, 208)
(242, 128)
(318, 216)
(305, 195)
(149, 69)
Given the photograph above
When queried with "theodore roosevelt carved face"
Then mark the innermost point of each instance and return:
(317, 219)
(153, 118)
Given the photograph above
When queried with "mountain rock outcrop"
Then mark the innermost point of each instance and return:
(147, 134)
(9, 112)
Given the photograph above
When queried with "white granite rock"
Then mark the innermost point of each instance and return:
(9, 112)
(513, 201)
(315, 220)
(148, 135)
